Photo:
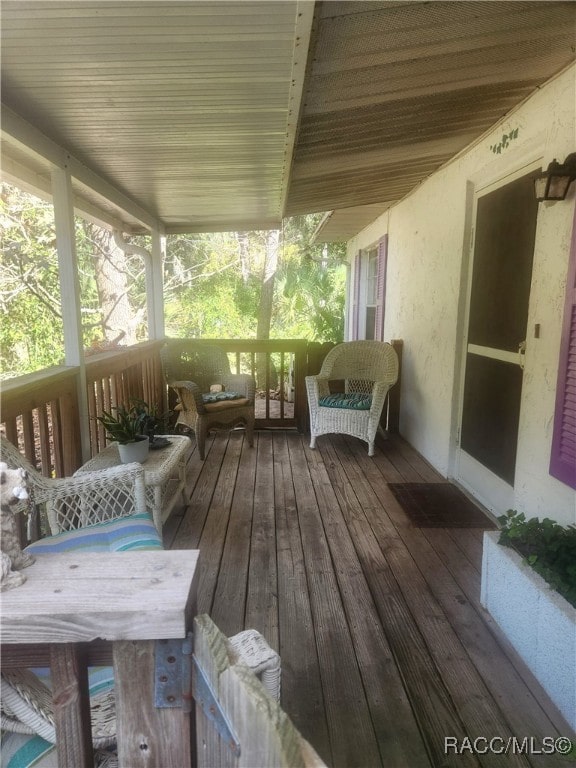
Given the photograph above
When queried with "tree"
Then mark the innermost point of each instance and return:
(119, 320)
(217, 285)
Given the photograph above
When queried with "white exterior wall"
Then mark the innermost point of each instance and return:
(427, 279)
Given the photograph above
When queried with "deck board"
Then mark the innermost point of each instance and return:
(385, 648)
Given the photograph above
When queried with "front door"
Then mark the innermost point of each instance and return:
(503, 252)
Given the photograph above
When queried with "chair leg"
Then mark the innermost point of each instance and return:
(313, 441)
(201, 439)
(250, 432)
(371, 448)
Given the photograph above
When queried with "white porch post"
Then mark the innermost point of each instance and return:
(70, 293)
(156, 328)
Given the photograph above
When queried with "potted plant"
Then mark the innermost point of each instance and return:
(529, 588)
(153, 423)
(127, 426)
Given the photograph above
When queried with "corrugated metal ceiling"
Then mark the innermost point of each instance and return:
(189, 108)
(396, 89)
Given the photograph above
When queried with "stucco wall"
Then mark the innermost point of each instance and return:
(428, 261)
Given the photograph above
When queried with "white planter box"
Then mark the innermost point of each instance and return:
(540, 623)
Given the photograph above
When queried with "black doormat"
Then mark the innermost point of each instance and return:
(439, 505)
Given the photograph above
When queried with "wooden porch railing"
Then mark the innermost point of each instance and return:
(279, 367)
(40, 411)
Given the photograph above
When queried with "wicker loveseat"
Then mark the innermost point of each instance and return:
(194, 369)
(367, 369)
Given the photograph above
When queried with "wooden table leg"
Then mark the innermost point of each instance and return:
(147, 737)
(71, 698)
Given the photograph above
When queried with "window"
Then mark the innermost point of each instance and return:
(371, 292)
(367, 293)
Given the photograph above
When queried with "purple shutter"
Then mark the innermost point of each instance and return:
(563, 457)
(381, 288)
(356, 299)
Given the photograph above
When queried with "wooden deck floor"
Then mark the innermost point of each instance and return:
(385, 648)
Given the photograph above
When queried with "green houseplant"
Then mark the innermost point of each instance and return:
(128, 427)
(152, 422)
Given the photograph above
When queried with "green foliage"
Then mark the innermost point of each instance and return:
(31, 335)
(212, 285)
(127, 425)
(152, 421)
(548, 547)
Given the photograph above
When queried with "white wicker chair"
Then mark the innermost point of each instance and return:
(73, 503)
(85, 499)
(368, 369)
(70, 503)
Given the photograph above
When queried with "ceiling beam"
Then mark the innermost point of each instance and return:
(305, 15)
(31, 141)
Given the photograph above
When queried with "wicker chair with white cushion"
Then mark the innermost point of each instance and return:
(193, 369)
(367, 370)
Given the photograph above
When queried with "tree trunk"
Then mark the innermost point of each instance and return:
(243, 248)
(265, 308)
(119, 323)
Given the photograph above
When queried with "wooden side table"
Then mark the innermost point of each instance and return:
(136, 601)
(164, 474)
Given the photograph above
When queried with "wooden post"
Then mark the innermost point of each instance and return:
(394, 395)
(71, 705)
(300, 400)
(147, 736)
(262, 730)
(155, 287)
(70, 292)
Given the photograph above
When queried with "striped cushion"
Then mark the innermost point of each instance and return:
(356, 402)
(121, 535)
(22, 751)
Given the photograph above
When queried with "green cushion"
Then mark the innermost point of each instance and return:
(134, 532)
(355, 402)
(216, 397)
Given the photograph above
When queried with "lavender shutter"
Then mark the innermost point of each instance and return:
(563, 457)
(381, 288)
(356, 299)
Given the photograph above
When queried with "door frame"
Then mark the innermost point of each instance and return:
(502, 494)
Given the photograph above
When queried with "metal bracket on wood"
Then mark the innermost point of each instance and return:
(173, 674)
(207, 700)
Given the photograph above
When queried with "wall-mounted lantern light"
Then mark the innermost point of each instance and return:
(554, 182)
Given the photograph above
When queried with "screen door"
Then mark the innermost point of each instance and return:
(498, 314)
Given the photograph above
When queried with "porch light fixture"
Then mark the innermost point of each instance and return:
(554, 182)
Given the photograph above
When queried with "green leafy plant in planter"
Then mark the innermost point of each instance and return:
(129, 424)
(548, 547)
(124, 426)
(152, 422)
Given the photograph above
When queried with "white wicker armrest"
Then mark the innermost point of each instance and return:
(379, 392)
(253, 651)
(94, 497)
(317, 386)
